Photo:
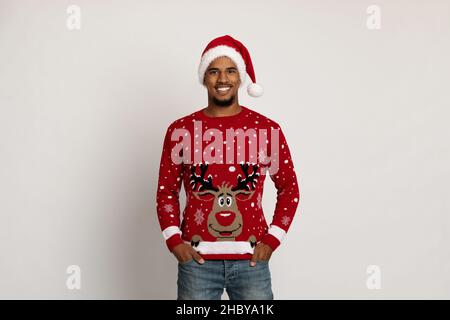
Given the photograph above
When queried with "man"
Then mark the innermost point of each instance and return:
(223, 153)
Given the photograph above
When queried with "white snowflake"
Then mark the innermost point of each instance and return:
(259, 200)
(285, 220)
(168, 208)
(199, 217)
(261, 156)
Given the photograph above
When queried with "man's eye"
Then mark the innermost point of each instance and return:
(231, 71)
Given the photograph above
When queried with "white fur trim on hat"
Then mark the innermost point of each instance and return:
(221, 51)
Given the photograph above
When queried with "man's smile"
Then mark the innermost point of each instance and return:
(223, 90)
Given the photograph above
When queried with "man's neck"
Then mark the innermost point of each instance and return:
(213, 110)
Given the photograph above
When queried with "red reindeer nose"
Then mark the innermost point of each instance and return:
(225, 218)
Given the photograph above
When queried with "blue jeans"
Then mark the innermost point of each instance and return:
(207, 281)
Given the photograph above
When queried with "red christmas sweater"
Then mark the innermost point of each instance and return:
(223, 162)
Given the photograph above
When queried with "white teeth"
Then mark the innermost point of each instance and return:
(225, 214)
(223, 89)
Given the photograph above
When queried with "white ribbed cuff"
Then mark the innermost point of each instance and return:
(170, 231)
(277, 232)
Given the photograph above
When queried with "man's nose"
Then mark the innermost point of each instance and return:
(223, 77)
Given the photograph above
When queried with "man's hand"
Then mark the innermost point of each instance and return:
(262, 252)
(184, 252)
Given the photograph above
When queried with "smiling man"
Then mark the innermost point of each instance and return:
(223, 240)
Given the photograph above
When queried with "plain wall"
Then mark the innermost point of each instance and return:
(365, 112)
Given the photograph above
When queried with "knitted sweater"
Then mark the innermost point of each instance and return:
(223, 162)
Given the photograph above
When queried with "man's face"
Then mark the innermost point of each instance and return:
(222, 81)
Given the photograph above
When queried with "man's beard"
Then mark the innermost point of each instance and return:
(223, 103)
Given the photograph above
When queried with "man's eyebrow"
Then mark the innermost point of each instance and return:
(213, 68)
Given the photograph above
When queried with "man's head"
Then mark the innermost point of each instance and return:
(222, 80)
(228, 52)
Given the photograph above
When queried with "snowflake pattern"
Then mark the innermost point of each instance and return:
(259, 200)
(261, 155)
(168, 208)
(199, 217)
(285, 220)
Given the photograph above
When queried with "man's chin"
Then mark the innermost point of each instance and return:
(223, 102)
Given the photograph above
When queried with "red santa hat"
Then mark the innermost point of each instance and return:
(236, 51)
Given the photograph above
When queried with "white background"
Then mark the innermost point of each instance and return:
(83, 115)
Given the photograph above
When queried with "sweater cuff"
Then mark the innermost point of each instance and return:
(271, 241)
(173, 241)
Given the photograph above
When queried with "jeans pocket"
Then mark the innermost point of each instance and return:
(185, 262)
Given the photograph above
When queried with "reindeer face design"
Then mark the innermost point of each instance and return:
(224, 221)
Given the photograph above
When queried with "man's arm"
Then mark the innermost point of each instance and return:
(288, 196)
(167, 195)
(168, 204)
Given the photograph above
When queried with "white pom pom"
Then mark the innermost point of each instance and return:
(255, 90)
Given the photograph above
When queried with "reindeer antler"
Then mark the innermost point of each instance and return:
(249, 178)
(200, 179)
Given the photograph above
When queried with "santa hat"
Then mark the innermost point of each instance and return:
(236, 51)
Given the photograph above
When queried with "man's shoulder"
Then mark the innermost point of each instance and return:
(263, 119)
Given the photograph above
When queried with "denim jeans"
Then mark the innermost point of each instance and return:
(207, 281)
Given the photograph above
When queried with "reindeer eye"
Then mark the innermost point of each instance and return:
(229, 201)
(221, 201)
